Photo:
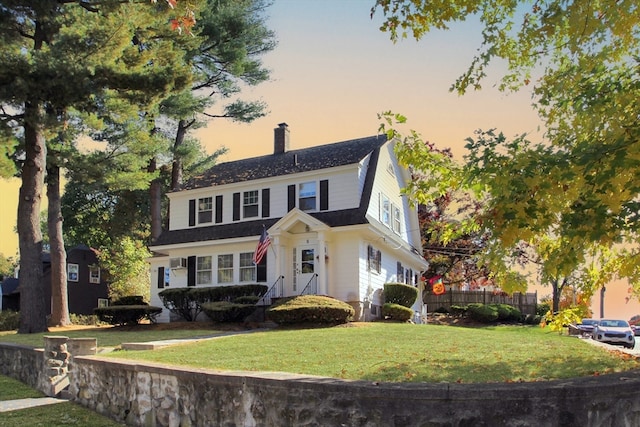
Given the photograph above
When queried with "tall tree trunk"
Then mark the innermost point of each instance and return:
(32, 301)
(155, 194)
(59, 296)
(176, 168)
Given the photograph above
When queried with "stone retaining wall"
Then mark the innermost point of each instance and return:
(158, 395)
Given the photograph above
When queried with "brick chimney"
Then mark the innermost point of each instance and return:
(281, 139)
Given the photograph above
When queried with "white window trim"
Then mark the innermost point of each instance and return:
(224, 269)
(315, 196)
(396, 219)
(73, 272)
(198, 270)
(385, 210)
(251, 267)
(93, 279)
(202, 200)
(256, 204)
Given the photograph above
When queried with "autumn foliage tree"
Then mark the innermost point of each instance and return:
(580, 185)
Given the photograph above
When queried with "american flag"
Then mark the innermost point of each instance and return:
(263, 245)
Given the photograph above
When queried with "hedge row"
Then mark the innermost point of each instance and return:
(127, 314)
(188, 302)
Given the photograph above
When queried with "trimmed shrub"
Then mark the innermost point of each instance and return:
(532, 319)
(310, 309)
(396, 312)
(130, 300)
(483, 313)
(399, 293)
(441, 310)
(508, 313)
(9, 320)
(180, 301)
(247, 299)
(458, 310)
(187, 302)
(127, 314)
(225, 311)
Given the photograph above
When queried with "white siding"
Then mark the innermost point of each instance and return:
(345, 190)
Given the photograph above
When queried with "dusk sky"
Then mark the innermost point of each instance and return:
(333, 71)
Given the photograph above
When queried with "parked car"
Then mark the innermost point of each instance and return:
(614, 331)
(635, 324)
(587, 326)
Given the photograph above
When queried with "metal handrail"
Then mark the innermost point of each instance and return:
(312, 286)
(274, 292)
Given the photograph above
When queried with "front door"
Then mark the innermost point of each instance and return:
(305, 269)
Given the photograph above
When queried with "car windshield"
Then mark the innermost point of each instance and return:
(589, 322)
(614, 323)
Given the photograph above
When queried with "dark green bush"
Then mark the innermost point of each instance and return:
(508, 313)
(483, 313)
(130, 300)
(543, 308)
(247, 299)
(532, 319)
(458, 310)
(225, 311)
(187, 302)
(441, 310)
(398, 312)
(399, 293)
(127, 314)
(181, 301)
(9, 320)
(310, 309)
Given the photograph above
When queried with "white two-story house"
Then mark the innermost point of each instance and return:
(337, 222)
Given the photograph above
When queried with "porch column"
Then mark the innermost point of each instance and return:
(278, 252)
(322, 265)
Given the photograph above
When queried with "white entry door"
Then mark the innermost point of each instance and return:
(305, 268)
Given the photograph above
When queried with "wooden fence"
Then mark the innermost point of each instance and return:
(526, 303)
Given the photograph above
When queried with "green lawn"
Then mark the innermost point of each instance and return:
(59, 414)
(109, 336)
(11, 389)
(401, 353)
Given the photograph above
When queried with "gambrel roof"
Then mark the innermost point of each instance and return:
(289, 162)
(315, 158)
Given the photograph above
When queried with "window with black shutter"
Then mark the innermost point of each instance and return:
(324, 195)
(218, 209)
(160, 277)
(191, 271)
(192, 212)
(236, 206)
(261, 269)
(265, 203)
(291, 197)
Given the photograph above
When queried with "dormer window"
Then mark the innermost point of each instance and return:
(307, 196)
(205, 210)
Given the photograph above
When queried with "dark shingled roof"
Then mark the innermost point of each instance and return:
(340, 218)
(290, 162)
(251, 228)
